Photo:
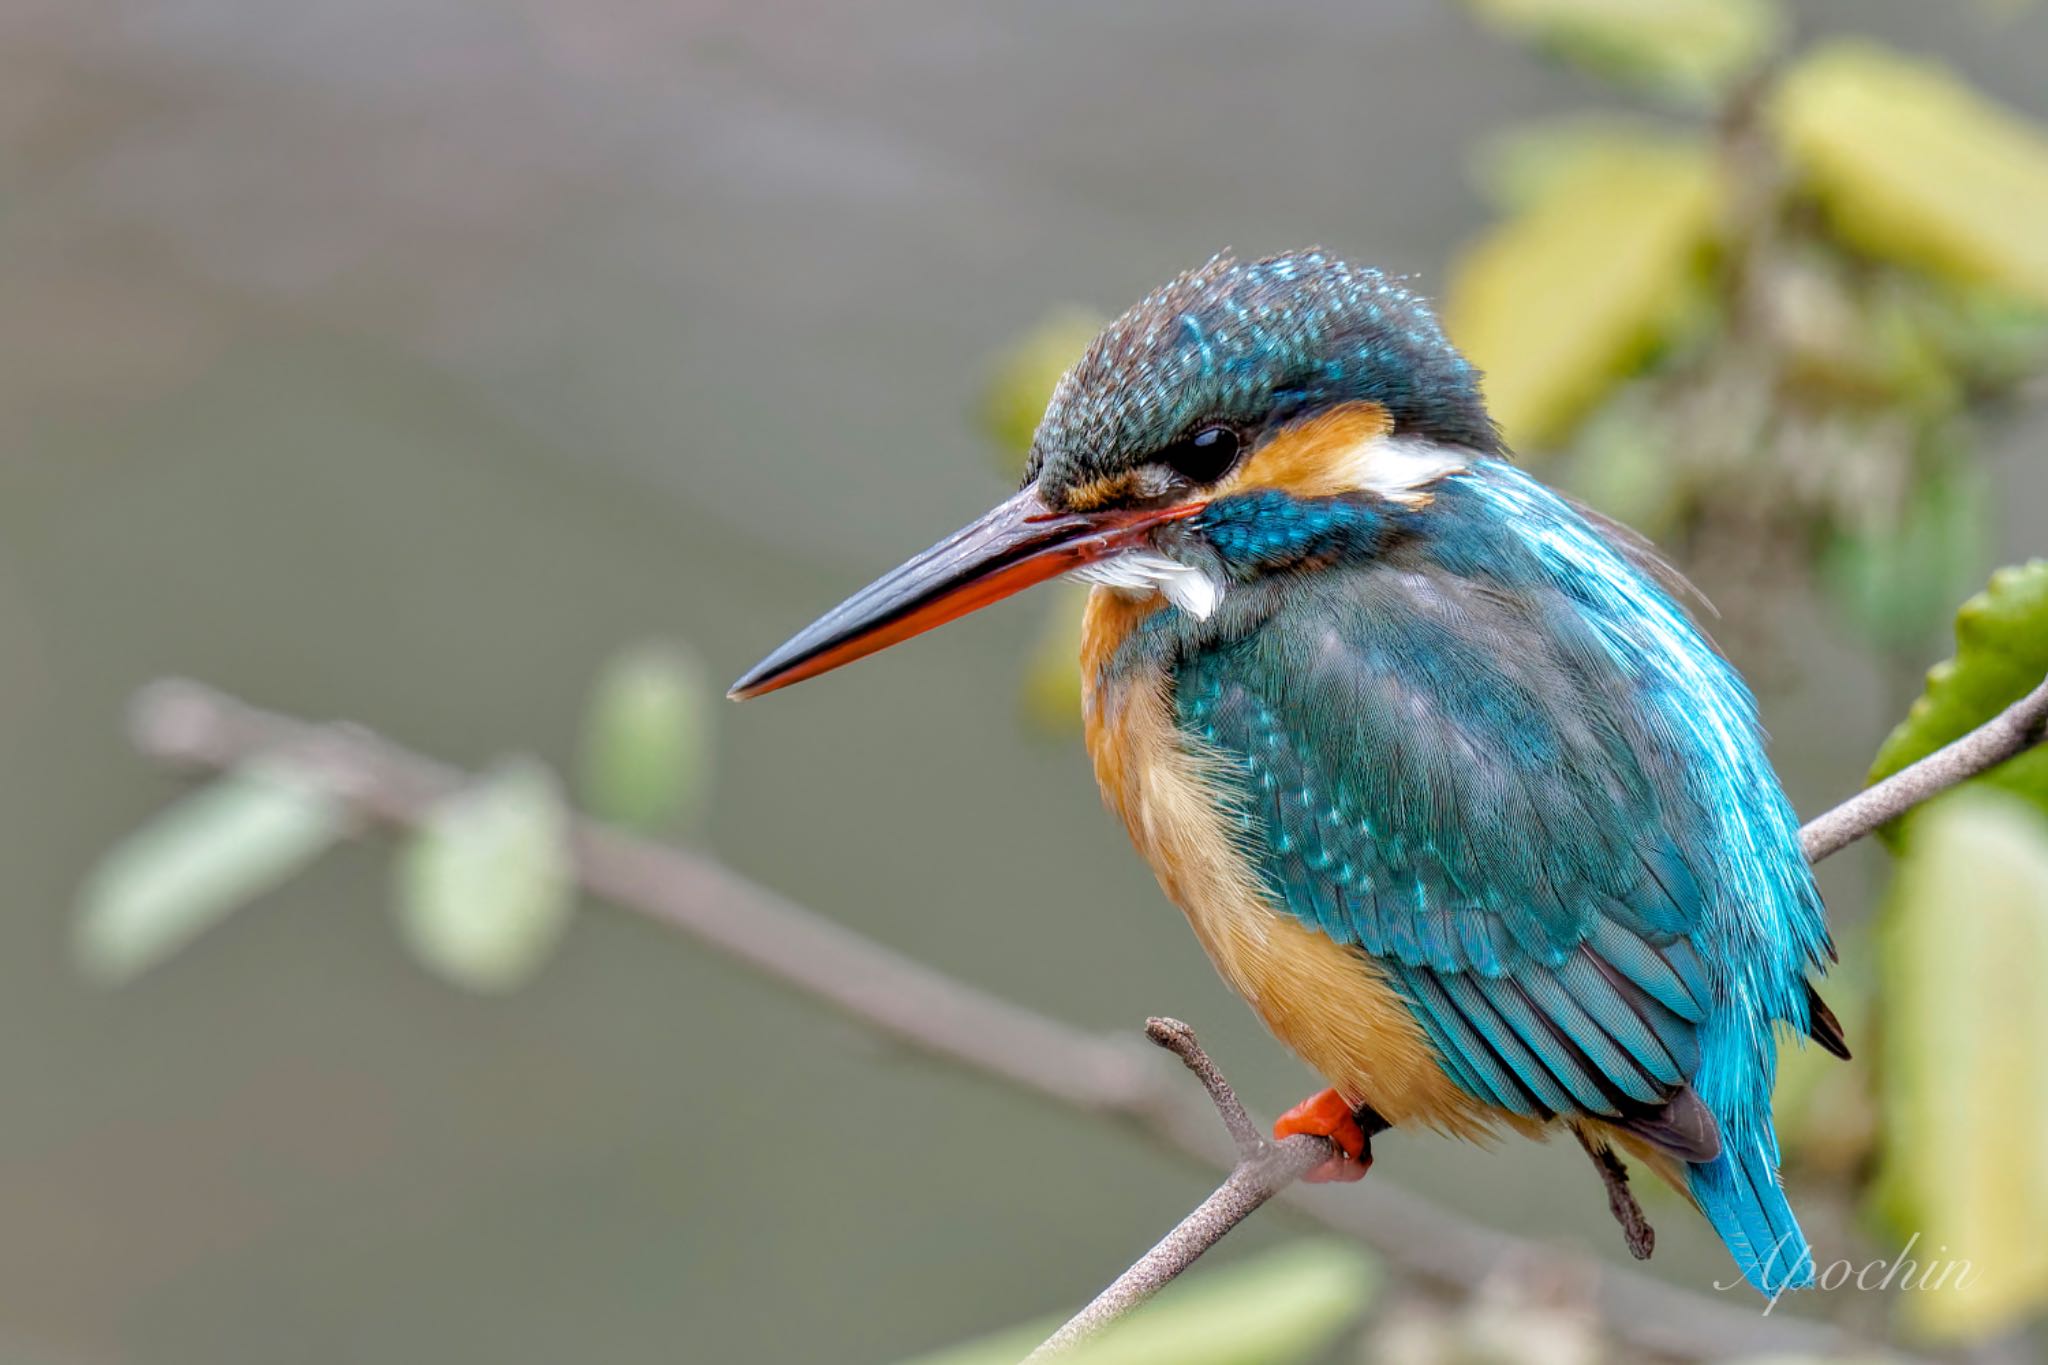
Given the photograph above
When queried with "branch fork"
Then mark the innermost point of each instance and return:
(1264, 1168)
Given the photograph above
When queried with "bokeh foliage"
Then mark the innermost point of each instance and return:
(483, 891)
(1910, 164)
(1683, 51)
(196, 863)
(1964, 1073)
(1782, 327)
(645, 760)
(1590, 269)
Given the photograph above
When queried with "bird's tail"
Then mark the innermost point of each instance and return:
(1740, 1195)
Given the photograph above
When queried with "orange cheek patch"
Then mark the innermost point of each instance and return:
(1322, 457)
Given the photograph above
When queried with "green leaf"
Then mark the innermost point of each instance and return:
(1965, 1077)
(1561, 301)
(1913, 165)
(197, 863)
(485, 887)
(1052, 678)
(2001, 655)
(1023, 378)
(1286, 1305)
(646, 752)
(1689, 50)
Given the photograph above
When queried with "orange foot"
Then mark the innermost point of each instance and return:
(1327, 1115)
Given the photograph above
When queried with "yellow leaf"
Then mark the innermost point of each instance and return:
(1965, 1075)
(1913, 165)
(1562, 299)
(1689, 48)
(1525, 164)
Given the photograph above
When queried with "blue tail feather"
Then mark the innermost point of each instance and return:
(1740, 1194)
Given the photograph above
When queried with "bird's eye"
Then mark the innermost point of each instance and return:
(1204, 457)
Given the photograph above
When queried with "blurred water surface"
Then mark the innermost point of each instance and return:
(400, 361)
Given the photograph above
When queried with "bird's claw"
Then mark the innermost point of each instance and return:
(1327, 1115)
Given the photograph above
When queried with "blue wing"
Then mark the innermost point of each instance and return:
(1463, 789)
(1499, 760)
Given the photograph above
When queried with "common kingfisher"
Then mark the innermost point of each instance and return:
(1451, 788)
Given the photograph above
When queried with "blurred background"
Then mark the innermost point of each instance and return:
(463, 368)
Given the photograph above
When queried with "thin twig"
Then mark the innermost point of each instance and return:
(195, 726)
(2006, 735)
(1263, 1169)
(1179, 1039)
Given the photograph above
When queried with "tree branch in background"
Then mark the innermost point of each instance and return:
(194, 726)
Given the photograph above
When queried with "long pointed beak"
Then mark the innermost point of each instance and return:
(1020, 543)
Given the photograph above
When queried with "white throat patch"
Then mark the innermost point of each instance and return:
(1142, 573)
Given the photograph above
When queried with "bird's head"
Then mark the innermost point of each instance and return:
(1247, 417)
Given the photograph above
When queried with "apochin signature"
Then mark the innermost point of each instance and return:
(1901, 1271)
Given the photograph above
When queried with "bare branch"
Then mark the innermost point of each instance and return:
(1263, 1170)
(194, 726)
(1179, 1039)
(2008, 734)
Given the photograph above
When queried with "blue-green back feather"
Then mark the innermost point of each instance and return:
(1482, 745)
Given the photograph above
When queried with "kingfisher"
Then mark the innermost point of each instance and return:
(1448, 782)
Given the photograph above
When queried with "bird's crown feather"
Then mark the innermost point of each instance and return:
(1256, 344)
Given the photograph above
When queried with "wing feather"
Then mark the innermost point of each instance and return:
(1473, 799)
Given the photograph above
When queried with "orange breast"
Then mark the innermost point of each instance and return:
(1329, 1003)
